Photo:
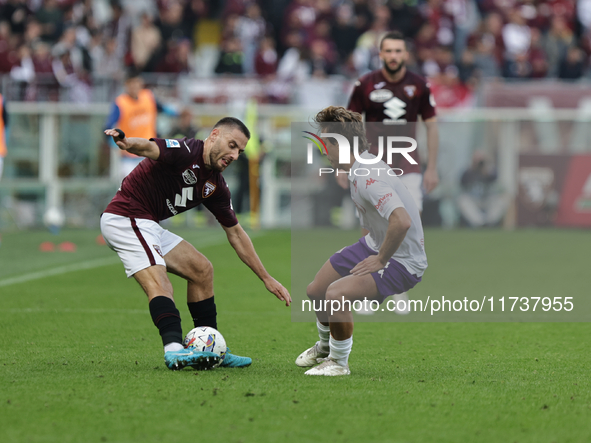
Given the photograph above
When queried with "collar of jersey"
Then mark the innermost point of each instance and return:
(364, 154)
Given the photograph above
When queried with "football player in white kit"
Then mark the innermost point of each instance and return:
(390, 259)
(394, 95)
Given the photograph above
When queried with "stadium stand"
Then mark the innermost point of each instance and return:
(70, 50)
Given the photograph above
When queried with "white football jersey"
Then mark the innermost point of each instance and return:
(376, 194)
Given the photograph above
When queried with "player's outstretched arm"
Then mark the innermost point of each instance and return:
(135, 145)
(243, 246)
(398, 224)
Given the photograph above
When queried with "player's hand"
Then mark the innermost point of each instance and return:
(367, 266)
(274, 287)
(121, 142)
(343, 180)
(430, 179)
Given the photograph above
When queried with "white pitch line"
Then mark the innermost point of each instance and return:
(90, 264)
(112, 311)
(76, 311)
(96, 263)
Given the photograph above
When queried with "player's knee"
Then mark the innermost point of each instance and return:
(314, 292)
(337, 291)
(202, 270)
(332, 293)
(207, 270)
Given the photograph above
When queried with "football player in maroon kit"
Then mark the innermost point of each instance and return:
(175, 176)
(391, 96)
(394, 95)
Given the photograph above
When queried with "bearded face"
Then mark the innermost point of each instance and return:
(218, 159)
(225, 149)
(393, 67)
(394, 55)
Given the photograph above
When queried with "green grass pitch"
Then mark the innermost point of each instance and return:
(80, 360)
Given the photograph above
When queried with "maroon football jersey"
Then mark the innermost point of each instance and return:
(392, 104)
(176, 182)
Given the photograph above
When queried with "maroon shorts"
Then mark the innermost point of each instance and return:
(393, 279)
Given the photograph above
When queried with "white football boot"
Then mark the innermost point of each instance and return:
(329, 368)
(309, 356)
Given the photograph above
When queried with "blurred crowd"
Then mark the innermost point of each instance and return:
(455, 43)
(71, 42)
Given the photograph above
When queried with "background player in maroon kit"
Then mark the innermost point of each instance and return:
(392, 96)
(175, 176)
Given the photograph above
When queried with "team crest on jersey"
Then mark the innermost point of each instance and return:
(158, 250)
(380, 95)
(208, 189)
(410, 90)
(189, 177)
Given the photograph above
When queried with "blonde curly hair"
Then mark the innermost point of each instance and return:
(348, 123)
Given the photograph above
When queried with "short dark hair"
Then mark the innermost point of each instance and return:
(235, 123)
(133, 73)
(348, 123)
(393, 35)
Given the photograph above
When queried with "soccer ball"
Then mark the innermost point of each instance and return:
(206, 339)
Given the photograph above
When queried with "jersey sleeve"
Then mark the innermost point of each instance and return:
(356, 99)
(427, 104)
(382, 197)
(174, 151)
(220, 205)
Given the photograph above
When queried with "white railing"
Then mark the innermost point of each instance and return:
(58, 156)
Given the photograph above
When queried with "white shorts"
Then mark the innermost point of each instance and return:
(140, 243)
(413, 182)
